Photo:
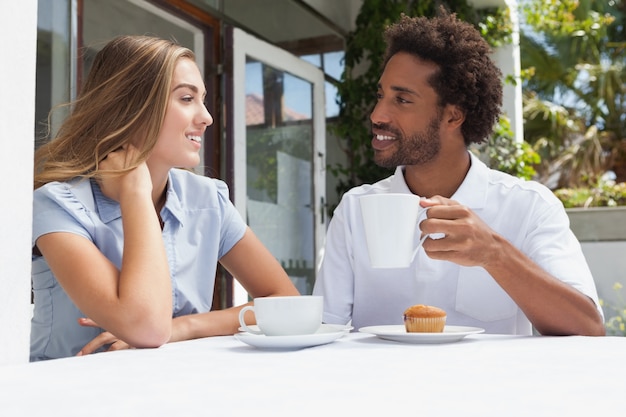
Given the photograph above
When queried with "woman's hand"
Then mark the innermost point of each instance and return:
(137, 180)
(103, 339)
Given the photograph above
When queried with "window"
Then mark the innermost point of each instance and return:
(332, 64)
(54, 73)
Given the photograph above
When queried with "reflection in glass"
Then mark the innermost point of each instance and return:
(332, 108)
(279, 168)
(53, 70)
(315, 59)
(332, 63)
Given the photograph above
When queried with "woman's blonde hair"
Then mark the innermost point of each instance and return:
(123, 101)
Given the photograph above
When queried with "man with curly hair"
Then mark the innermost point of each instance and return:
(501, 255)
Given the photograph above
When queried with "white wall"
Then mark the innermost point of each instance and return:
(18, 41)
(607, 263)
(602, 235)
(508, 60)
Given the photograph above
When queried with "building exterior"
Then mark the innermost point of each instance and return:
(268, 67)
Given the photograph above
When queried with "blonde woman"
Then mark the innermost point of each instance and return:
(122, 236)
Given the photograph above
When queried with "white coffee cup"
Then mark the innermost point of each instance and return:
(391, 222)
(286, 315)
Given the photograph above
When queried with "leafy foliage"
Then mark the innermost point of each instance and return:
(605, 193)
(506, 154)
(616, 323)
(575, 100)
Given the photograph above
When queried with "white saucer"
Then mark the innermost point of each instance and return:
(398, 333)
(327, 333)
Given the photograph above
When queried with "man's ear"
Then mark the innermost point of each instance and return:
(454, 116)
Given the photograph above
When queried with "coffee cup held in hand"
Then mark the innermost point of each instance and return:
(391, 224)
(285, 316)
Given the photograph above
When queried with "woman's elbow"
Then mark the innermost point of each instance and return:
(151, 334)
(153, 339)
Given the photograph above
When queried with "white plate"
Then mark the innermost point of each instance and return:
(327, 333)
(398, 333)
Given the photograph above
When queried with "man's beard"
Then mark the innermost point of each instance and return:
(417, 149)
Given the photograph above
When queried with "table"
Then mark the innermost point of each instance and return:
(359, 374)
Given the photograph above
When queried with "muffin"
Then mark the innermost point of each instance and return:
(424, 319)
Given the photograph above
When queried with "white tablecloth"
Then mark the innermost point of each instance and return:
(359, 374)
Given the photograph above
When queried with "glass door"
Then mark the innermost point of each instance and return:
(278, 154)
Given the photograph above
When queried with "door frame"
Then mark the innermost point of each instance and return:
(243, 44)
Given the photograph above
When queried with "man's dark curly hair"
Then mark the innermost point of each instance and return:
(467, 77)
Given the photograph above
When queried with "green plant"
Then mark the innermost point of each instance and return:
(504, 153)
(604, 193)
(574, 100)
(616, 323)
(363, 63)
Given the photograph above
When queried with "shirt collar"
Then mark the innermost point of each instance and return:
(173, 202)
(109, 209)
(473, 189)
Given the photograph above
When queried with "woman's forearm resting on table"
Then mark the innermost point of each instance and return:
(213, 323)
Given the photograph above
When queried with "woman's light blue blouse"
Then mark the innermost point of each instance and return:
(200, 226)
